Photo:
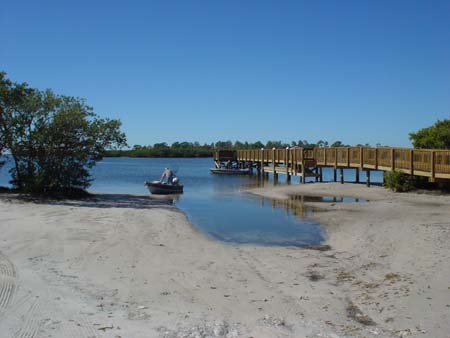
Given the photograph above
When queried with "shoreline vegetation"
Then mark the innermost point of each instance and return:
(53, 139)
(195, 149)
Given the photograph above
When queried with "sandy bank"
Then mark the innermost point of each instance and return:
(393, 254)
(122, 266)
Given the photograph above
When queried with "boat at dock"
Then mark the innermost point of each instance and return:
(226, 164)
(231, 171)
(160, 188)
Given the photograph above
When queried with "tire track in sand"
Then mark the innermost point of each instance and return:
(28, 321)
(31, 322)
(8, 282)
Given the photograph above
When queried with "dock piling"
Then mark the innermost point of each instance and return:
(262, 162)
(303, 178)
(286, 165)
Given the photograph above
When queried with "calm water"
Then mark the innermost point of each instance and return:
(217, 205)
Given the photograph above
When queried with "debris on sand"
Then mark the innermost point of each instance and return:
(314, 276)
(215, 330)
(273, 321)
(345, 276)
(318, 247)
(404, 333)
(391, 276)
(104, 328)
(355, 313)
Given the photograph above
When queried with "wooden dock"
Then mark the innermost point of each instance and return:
(431, 163)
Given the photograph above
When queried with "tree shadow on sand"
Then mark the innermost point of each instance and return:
(100, 201)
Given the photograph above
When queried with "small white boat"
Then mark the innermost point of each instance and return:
(230, 171)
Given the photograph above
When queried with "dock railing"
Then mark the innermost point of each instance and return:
(432, 163)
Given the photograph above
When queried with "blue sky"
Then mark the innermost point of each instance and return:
(357, 71)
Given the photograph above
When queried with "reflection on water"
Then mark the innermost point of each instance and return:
(291, 206)
(327, 199)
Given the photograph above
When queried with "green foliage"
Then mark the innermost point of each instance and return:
(177, 149)
(54, 140)
(398, 181)
(276, 144)
(195, 149)
(339, 144)
(436, 136)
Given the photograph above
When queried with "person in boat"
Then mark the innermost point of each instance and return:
(167, 176)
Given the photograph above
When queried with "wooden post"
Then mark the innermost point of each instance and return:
(335, 165)
(286, 164)
(293, 159)
(376, 158)
(392, 159)
(262, 162)
(361, 157)
(357, 175)
(368, 177)
(273, 162)
(411, 165)
(303, 173)
(335, 158)
(433, 165)
(303, 160)
(341, 174)
(320, 174)
(316, 171)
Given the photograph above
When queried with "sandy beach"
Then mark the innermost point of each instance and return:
(129, 266)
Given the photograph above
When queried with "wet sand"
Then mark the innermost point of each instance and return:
(130, 266)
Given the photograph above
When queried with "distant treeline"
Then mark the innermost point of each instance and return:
(195, 149)
(177, 149)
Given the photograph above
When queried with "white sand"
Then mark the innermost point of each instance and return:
(129, 267)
